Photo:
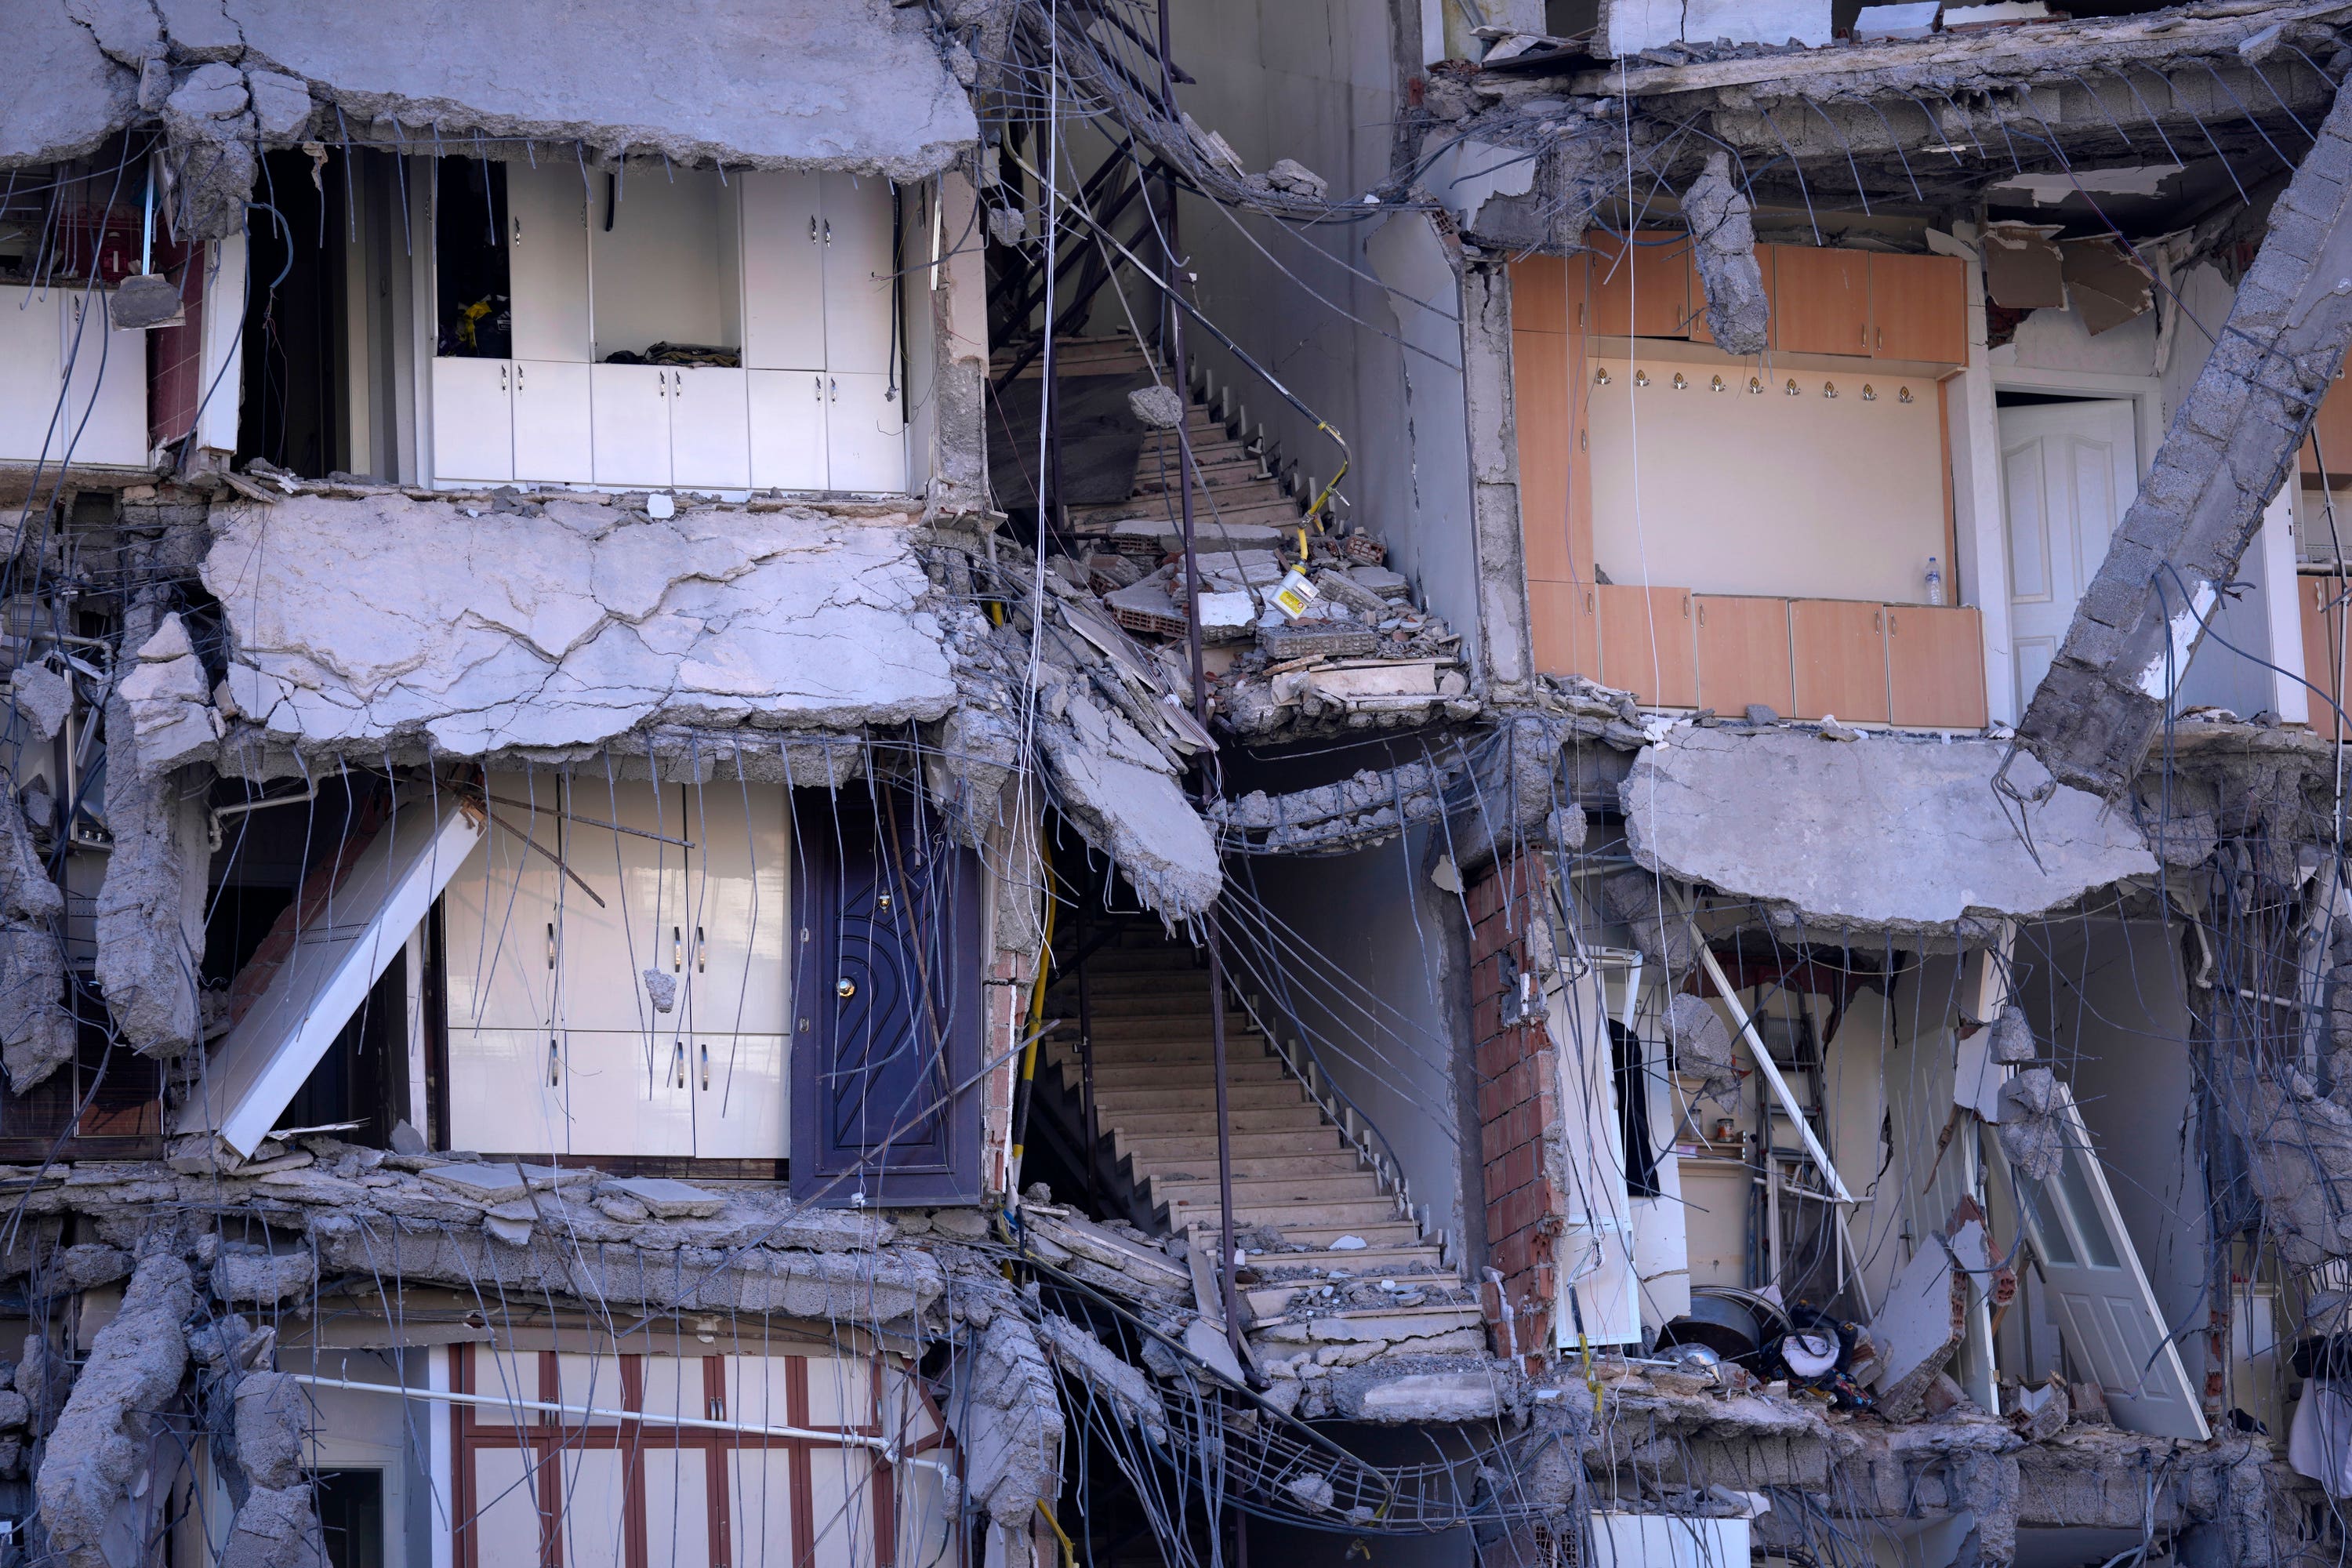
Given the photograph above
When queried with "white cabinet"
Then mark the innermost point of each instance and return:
(627, 840)
(106, 404)
(743, 1106)
(709, 433)
(547, 236)
(858, 290)
(551, 420)
(629, 1093)
(738, 898)
(783, 270)
(631, 417)
(473, 420)
(865, 433)
(29, 372)
(788, 429)
(500, 921)
(507, 1092)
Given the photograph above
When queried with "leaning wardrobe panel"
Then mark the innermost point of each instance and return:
(887, 1004)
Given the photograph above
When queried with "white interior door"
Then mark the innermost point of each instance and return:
(783, 270)
(709, 430)
(552, 421)
(788, 446)
(106, 409)
(547, 261)
(1595, 1250)
(865, 433)
(855, 243)
(2068, 472)
(2107, 1316)
(629, 413)
(473, 420)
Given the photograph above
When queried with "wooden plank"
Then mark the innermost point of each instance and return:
(1560, 625)
(1743, 653)
(2331, 434)
(1935, 666)
(2313, 597)
(1697, 286)
(1919, 308)
(1646, 646)
(1645, 295)
(1820, 302)
(1840, 652)
(1543, 406)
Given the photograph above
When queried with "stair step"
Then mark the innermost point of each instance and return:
(1185, 1074)
(1426, 1318)
(1372, 1262)
(1261, 1167)
(1193, 1121)
(1119, 1104)
(1193, 1145)
(1376, 1223)
(1351, 1186)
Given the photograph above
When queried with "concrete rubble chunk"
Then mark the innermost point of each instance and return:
(103, 1437)
(37, 1031)
(271, 1412)
(43, 698)
(281, 104)
(1723, 245)
(1702, 1044)
(249, 1274)
(666, 1199)
(483, 1184)
(274, 1529)
(2033, 1132)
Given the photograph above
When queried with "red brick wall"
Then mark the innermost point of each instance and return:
(1517, 1102)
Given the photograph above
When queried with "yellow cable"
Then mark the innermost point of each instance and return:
(1069, 1548)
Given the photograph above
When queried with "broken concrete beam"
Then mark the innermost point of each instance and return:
(102, 1440)
(1723, 244)
(2232, 445)
(36, 1032)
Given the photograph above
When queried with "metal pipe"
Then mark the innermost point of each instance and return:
(1086, 1062)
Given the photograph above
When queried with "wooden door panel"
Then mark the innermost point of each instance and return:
(1698, 328)
(2331, 434)
(1820, 300)
(1743, 653)
(1919, 309)
(1646, 647)
(1646, 294)
(1840, 653)
(1935, 666)
(1543, 405)
(2323, 620)
(1560, 619)
(1540, 293)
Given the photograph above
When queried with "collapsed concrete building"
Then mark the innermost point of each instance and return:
(1062, 780)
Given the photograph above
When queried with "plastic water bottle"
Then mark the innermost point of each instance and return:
(1934, 582)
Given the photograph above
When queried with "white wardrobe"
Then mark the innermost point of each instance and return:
(556, 1043)
(103, 417)
(793, 269)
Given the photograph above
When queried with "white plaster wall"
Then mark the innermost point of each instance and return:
(1314, 80)
(1371, 948)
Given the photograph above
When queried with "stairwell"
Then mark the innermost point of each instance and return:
(1334, 1268)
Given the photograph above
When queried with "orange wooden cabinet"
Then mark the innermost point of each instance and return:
(1820, 300)
(2318, 605)
(1642, 290)
(1742, 653)
(1935, 666)
(1919, 308)
(2331, 434)
(1839, 649)
(1646, 645)
(1560, 624)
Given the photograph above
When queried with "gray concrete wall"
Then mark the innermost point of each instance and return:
(1373, 954)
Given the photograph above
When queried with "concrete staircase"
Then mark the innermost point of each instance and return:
(1329, 1250)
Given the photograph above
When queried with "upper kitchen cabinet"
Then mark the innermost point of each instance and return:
(1919, 308)
(1820, 300)
(1640, 289)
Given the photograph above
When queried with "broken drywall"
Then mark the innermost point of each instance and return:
(356, 623)
(1880, 833)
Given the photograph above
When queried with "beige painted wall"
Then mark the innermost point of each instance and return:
(1810, 497)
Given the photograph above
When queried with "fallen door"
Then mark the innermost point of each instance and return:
(2107, 1314)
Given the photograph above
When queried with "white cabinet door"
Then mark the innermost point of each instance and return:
(506, 1092)
(856, 234)
(473, 420)
(629, 411)
(643, 881)
(547, 260)
(105, 411)
(783, 270)
(552, 421)
(500, 922)
(709, 430)
(29, 368)
(788, 410)
(739, 889)
(865, 433)
(743, 1105)
(629, 1093)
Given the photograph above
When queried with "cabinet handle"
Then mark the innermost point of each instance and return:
(706, 1067)
(676, 949)
(677, 383)
(828, 231)
(701, 954)
(1890, 623)
(502, 378)
(836, 388)
(1702, 614)
(554, 1062)
(1878, 620)
(1882, 339)
(518, 231)
(816, 383)
(812, 229)
(550, 944)
(677, 1060)
(517, 378)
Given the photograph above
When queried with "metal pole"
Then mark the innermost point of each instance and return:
(1086, 1058)
(1225, 1266)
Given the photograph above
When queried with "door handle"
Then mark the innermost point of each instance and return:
(677, 1060)
(844, 988)
(812, 229)
(550, 944)
(676, 949)
(701, 954)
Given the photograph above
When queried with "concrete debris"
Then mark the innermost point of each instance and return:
(37, 1031)
(1916, 1328)
(1661, 934)
(42, 696)
(1011, 1438)
(2095, 713)
(2299, 1156)
(2012, 1037)
(355, 624)
(1702, 1046)
(1157, 406)
(1366, 809)
(103, 1439)
(169, 699)
(1723, 246)
(1833, 833)
(242, 1275)
(212, 135)
(150, 906)
(274, 1529)
(1106, 1376)
(1289, 174)
(661, 989)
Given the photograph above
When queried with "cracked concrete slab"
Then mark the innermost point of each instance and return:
(1880, 834)
(84, 96)
(352, 624)
(773, 84)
